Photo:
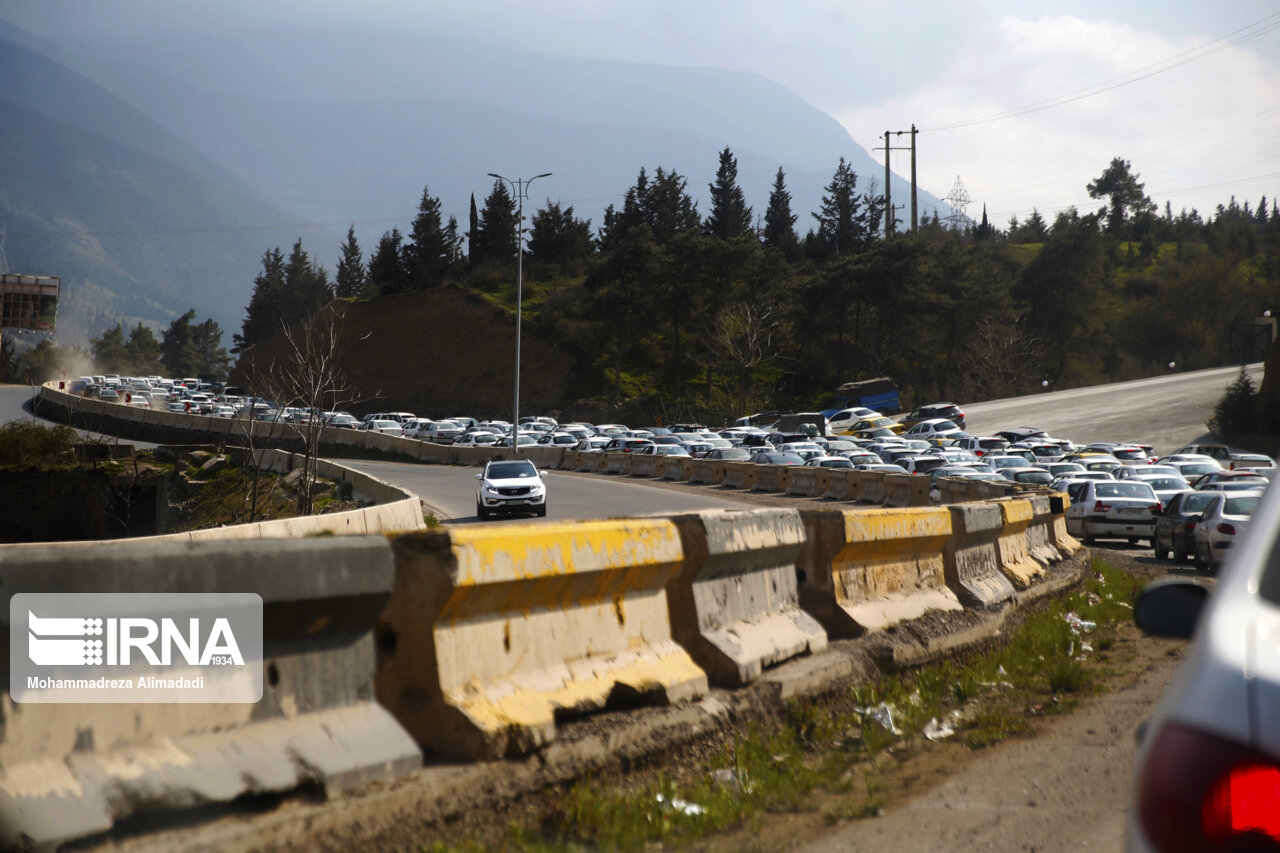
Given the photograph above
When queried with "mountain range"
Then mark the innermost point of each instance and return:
(151, 175)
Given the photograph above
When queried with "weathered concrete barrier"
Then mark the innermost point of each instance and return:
(615, 463)
(676, 468)
(1040, 531)
(739, 475)
(1015, 559)
(493, 630)
(843, 485)
(864, 570)
(69, 771)
(803, 480)
(770, 478)
(872, 487)
(592, 462)
(708, 471)
(547, 458)
(901, 490)
(644, 465)
(1062, 540)
(953, 490)
(971, 559)
(734, 602)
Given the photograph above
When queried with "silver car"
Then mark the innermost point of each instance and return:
(1208, 768)
(1113, 509)
(1223, 522)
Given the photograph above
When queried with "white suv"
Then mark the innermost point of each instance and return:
(510, 486)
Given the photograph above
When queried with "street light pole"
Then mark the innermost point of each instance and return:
(520, 187)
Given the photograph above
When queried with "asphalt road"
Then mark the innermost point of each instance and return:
(451, 493)
(1165, 412)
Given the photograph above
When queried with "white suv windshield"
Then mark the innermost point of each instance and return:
(511, 470)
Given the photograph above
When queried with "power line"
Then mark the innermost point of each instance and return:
(1252, 31)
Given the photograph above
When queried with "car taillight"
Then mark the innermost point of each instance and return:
(1156, 507)
(1228, 529)
(1099, 506)
(1189, 525)
(1199, 792)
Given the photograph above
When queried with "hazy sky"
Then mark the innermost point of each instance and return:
(1188, 92)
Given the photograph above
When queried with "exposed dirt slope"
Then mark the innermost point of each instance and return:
(437, 353)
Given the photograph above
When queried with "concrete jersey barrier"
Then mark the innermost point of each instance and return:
(69, 771)
(734, 602)
(971, 559)
(866, 570)
(493, 630)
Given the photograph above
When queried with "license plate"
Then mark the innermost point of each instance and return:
(1131, 510)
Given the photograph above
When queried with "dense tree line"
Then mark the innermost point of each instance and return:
(705, 317)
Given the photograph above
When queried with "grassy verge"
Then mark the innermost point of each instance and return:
(837, 752)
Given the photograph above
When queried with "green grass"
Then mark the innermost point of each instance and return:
(836, 748)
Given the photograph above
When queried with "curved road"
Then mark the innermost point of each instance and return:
(1165, 412)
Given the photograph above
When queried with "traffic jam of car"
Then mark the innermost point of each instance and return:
(1191, 505)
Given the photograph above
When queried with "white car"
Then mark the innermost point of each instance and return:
(476, 438)
(512, 486)
(384, 427)
(223, 412)
(933, 427)
(1115, 509)
(1223, 522)
(1209, 758)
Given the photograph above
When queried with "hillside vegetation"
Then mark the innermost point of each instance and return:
(662, 313)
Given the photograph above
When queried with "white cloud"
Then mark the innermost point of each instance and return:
(1196, 133)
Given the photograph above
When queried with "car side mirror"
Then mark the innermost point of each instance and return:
(1170, 607)
(542, 473)
(479, 476)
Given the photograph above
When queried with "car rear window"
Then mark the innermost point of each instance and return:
(1124, 490)
(1242, 505)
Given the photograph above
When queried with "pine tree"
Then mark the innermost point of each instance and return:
(144, 351)
(187, 350)
(351, 275)
(779, 221)
(428, 253)
(842, 220)
(557, 237)
(109, 351)
(262, 316)
(730, 216)
(495, 238)
(306, 287)
(388, 272)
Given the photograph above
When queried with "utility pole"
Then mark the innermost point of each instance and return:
(888, 202)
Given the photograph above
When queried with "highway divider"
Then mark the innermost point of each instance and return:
(68, 770)
(1014, 543)
(494, 630)
(971, 558)
(864, 570)
(734, 602)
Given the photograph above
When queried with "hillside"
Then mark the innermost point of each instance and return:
(436, 353)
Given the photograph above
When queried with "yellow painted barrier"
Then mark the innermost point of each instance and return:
(865, 570)
(1015, 558)
(493, 630)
